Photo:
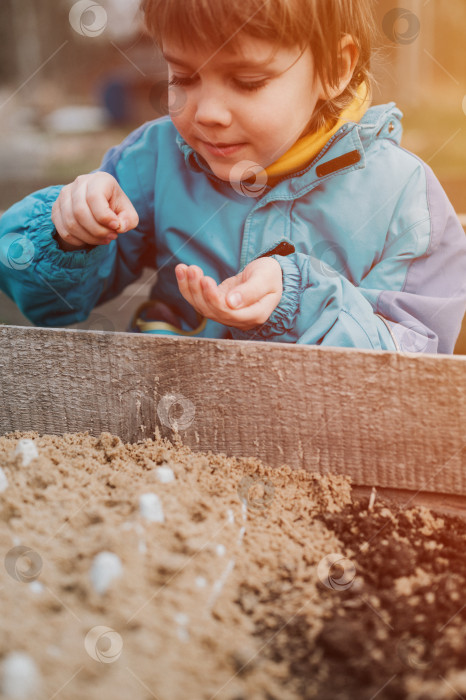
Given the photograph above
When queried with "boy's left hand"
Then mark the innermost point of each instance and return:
(260, 285)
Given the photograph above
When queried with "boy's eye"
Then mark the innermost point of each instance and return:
(252, 85)
(178, 81)
(242, 85)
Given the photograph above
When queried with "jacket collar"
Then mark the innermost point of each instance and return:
(344, 151)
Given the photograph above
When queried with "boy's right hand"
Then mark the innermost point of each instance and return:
(93, 209)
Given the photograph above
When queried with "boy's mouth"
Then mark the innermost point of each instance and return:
(223, 148)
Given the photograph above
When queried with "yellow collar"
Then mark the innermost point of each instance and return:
(304, 150)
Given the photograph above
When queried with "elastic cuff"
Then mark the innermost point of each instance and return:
(282, 318)
(48, 256)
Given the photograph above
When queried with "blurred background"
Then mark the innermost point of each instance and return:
(77, 76)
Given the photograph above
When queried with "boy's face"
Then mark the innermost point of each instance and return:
(217, 105)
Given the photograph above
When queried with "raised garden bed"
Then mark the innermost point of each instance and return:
(138, 563)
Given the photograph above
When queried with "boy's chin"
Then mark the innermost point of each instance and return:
(223, 172)
(239, 172)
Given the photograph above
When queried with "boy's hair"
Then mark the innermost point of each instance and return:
(319, 24)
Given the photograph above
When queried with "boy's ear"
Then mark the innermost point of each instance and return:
(349, 54)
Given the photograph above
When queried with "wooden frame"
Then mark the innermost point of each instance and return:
(390, 420)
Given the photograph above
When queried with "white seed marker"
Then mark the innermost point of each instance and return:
(36, 587)
(150, 508)
(220, 550)
(165, 474)
(106, 568)
(21, 678)
(28, 450)
(182, 621)
(3, 481)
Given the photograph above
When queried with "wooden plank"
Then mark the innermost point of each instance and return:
(386, 419)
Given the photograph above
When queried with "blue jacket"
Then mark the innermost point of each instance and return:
(372, 253)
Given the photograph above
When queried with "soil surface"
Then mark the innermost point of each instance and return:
(259, 583)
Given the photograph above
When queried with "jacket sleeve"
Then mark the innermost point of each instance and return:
(320, 306)
(52, 287)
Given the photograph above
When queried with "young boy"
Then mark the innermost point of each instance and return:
(272, 201)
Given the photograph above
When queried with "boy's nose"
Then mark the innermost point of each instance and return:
(211, 109)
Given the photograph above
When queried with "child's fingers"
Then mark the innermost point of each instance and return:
(180, 271)
(61, 229)
(70, 225)
(262, 281)
(88, 223)
(244, 318)
(127, 214)
(245, 294)
(79, 221)
(110, 206)
(194, 276)
(192, 290)
(204, 295)
(215, 298)
(105, 218)
(211, 294)
(253, 315)
(219, 310)
(182, 279)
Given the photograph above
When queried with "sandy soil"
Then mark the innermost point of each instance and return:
(260, 583)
